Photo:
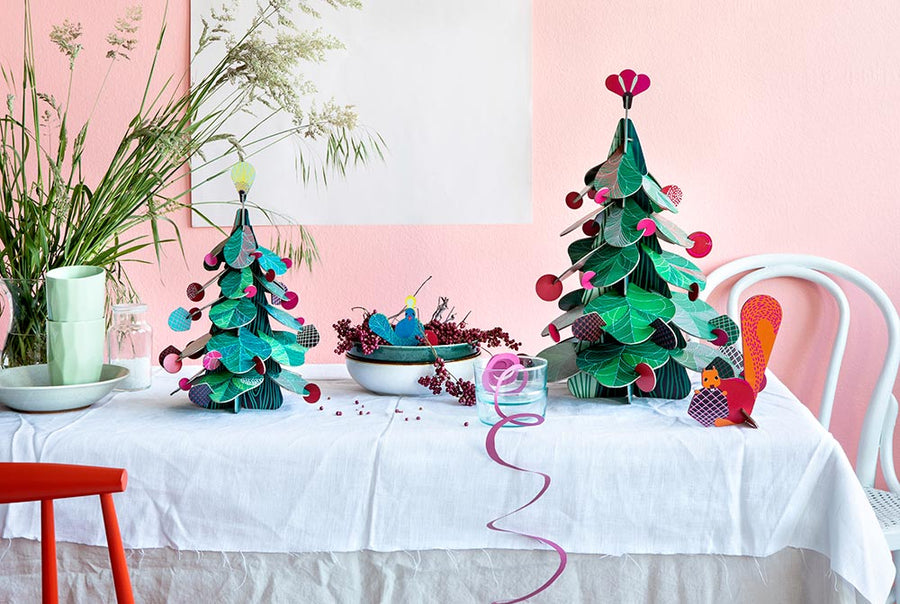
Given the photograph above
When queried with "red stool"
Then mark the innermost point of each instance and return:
(45, 482)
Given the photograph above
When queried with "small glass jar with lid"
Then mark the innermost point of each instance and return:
(130, 344)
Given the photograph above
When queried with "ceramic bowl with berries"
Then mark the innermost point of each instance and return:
(399, 355)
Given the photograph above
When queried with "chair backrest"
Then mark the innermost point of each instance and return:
(877, 425)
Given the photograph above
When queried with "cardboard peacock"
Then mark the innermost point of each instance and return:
(242, 355)
(636, 302)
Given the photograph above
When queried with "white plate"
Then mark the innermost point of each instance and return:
(28, 389)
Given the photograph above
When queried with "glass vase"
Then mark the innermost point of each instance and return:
(23, 317)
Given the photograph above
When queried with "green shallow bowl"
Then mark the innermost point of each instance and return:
(413, 354)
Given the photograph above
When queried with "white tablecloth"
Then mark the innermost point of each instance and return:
(636, 479)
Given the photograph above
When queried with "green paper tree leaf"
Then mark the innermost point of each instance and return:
(634, 144)
(620, 228)
(613, 364)
(225, 386)
(671, 232)
(620, 174)
(579, 248)
(697, 356)
(578, 297)
(233, 283)
(654, 193)
(675, 270)
(283, 317)
(561, 360)
(238, 350)
(612, 264)
(291, 381)
(285, 348)
(230, 314)
(693, 316)
(239, 246)
(271, 261)
(628, 317)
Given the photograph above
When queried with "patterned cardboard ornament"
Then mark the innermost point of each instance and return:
(243, 357)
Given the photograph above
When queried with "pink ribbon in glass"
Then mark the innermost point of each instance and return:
(501, 371)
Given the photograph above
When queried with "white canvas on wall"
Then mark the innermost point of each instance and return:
(447, 84)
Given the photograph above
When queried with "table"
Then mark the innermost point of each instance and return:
(644, 480)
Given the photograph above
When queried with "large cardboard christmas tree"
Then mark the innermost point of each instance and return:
(635, 319)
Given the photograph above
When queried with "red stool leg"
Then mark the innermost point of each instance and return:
(49, 589)
(116, 551)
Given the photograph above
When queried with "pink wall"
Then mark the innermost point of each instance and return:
(780, 125)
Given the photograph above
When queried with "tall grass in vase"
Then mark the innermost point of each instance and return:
(53, 216)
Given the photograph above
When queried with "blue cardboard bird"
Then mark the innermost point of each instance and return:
(407, 332)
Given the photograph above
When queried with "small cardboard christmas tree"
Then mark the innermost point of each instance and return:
(637, 302)
(242, 355)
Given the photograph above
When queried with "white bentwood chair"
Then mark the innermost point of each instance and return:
(881, 415)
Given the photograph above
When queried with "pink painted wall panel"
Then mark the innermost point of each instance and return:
(779, 121)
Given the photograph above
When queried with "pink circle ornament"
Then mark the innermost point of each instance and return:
(647, 226)
(184, 383)
(721, 337)
(702, 244)
(172, 362)
(548, 288)
(602, 195)
(586, 279)
(211, 260)
(694, 291)
(647, 377)
(288, 263)
(250, 291)
(554, 332)
(290, 300)
(573, 200)
(313, 393)
(673, 192)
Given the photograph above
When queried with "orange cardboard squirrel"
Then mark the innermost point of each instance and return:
(760, 321)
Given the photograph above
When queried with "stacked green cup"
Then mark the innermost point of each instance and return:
(76, 328)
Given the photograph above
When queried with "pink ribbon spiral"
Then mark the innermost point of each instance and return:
(509, 364)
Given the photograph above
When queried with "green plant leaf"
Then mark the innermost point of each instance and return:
(612, 264)
(291, 381)
(285, 348)
(693, 316)
(239, 246)
(654, 193)
(233, 283)
(239, 350)
(612, 364)
(230, 314)
(675, 270)
(225, 386)
(620, 228)
(628, 317)
(620, 174)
